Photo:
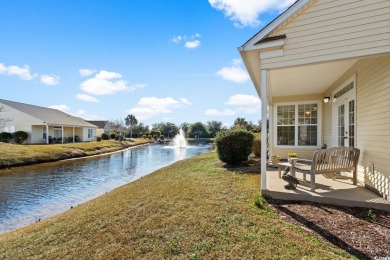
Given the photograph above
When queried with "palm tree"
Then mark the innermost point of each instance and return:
(131, 121)
(241, 122)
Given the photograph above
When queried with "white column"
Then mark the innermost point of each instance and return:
(62, 134)
(73, 135)
(47, 133)
(264, 99)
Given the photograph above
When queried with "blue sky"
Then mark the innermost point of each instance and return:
(161, 60)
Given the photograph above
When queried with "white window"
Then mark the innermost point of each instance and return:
(44, 132)
(57, 132)
(297, 124)
(90, 133)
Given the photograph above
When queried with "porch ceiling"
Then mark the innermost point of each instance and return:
(307, 79)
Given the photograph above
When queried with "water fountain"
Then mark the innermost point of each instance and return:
(179, 141)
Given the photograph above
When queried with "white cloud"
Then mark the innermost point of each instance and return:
(243, 100)
(87, 98)
(85, 115)
(149, 107)
(190, 42)
(235, 73)
(50, 80)
(22, 72)
(104, 83)
(246, 12)
(63, 108)
(86, 72)
(243, 104)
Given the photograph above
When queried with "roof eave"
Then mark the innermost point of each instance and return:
(274, 24)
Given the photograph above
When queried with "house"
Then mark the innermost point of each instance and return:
(322, 71)
(44, 124)
(103, 127)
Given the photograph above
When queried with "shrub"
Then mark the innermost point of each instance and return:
(162, 137)
(144, 136)
(153, 133)
(234, 146)
(112, 136)
(19, 136)
(257, 146)
(5, 137)
(99, 139)
(155, 137)
(150, 136)
(105, 136)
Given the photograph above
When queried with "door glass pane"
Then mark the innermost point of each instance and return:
(351, 126)
(341, 125)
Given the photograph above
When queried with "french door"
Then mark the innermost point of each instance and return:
(344, 119)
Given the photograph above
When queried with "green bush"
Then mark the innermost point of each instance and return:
(150, 136)
(5, 137)
(112, 136)
(162, 137)
(144, 136)
(19, 136)
(105, 136)
(153, 133)
(257, 145)
(99, 139)
(234, 146)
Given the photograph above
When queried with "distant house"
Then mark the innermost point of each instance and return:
(44, 125)
(322, 71)
(102, 127)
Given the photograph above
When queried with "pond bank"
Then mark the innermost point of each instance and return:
(12, 155)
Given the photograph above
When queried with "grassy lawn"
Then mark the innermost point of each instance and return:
(16, 155)
(192, 209)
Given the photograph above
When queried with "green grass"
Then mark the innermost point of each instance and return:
(192, 209)
(16, 155)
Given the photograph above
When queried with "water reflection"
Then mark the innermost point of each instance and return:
(33, 193)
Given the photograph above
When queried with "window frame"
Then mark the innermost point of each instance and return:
(296, 125)
(90, 135)
(44, 133)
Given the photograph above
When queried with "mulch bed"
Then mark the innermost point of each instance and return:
(364, 233)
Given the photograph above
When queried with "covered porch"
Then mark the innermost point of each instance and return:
(339, 192)
(56, 134)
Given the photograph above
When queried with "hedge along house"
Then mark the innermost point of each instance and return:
(44, 124)
(322, 71)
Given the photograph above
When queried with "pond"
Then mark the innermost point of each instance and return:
(30, 194)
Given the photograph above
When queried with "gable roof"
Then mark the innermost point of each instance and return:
(49, 115)
(99, 124)
(262, 34)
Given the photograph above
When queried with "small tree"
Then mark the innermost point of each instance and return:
(214, 127)
(131, 121)
(198, 129)
(234, 146)
(19, 136)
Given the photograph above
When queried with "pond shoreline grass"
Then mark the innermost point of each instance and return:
(192, 209)
(12, 155)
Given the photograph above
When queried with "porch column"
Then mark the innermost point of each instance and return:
(264, 99)
(47, 133)
(73, 135)
(62, 134)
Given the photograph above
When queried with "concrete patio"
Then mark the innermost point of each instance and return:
(337, 192)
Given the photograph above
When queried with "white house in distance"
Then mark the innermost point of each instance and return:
(322, 71)
(44, 124)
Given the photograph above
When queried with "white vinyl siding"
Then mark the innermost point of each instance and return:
(332, 30)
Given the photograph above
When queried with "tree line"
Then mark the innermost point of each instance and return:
(130, 127)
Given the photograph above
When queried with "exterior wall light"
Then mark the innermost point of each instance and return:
(326, 99)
